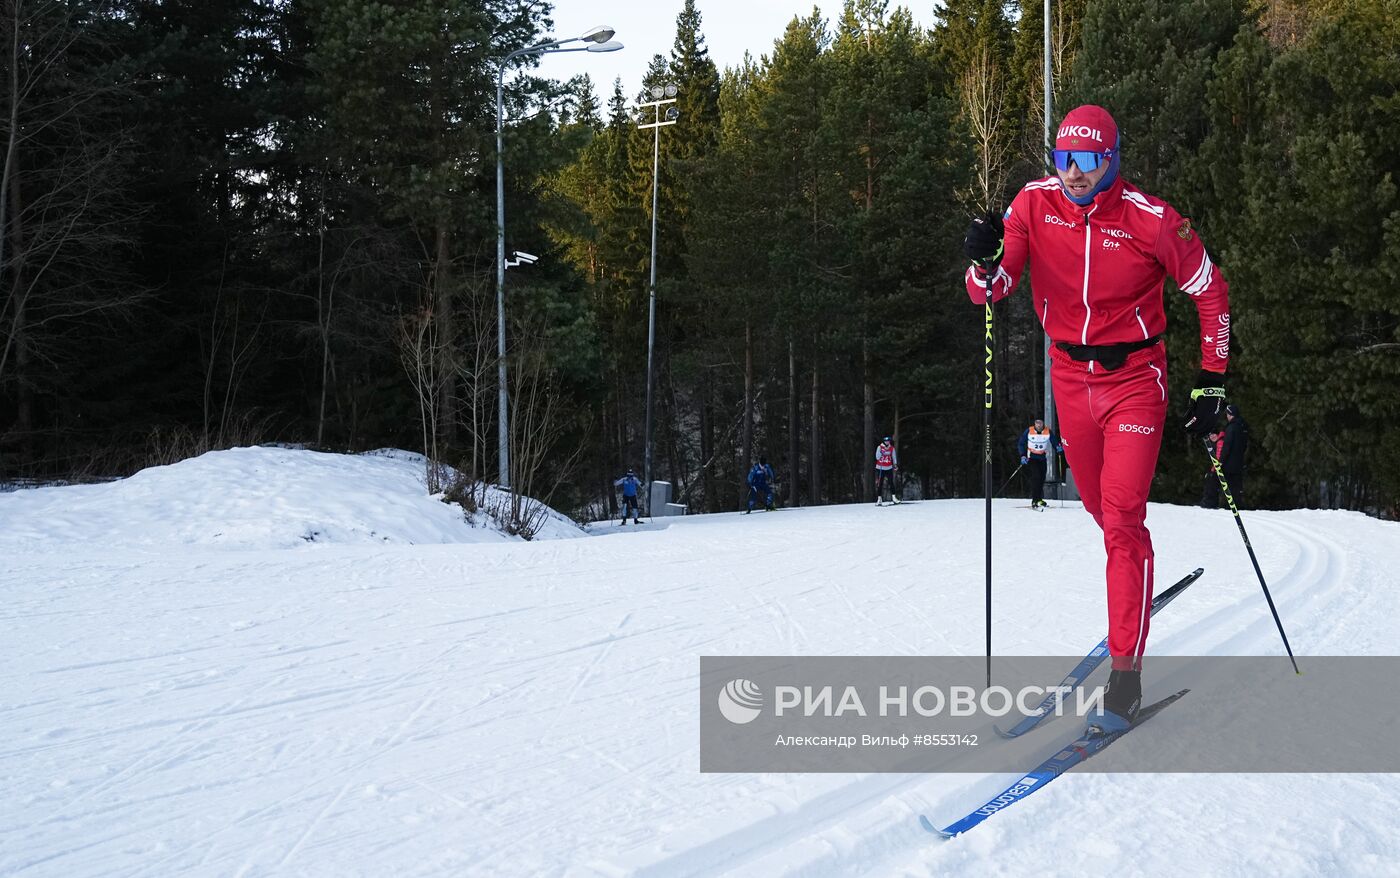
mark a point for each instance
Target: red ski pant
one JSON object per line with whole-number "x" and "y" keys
{"x": 1111, "y": 425}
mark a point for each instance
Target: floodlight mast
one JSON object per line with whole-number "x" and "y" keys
{"x": 662, "y": 96}
{"x": 599, "y": 39}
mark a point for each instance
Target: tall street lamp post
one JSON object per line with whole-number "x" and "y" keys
{"x": 1052, "y": 471}
{"x": 662, "y": 96}
{"x": 600, "y": 39}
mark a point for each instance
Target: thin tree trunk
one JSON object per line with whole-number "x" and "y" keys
{"x": 746, "y": 442}
{"x": 11, "y": 142}
{"x": 794, "y": 443}
{"x": 707, "y": 443}
{"x": 605, "y": 465}
{"x": 680, "y": 483}
{"x": 323, "y": 320}
{"x": 867, "y": 472}
{"x": 443, "y": 312}
{"x": 24, "y": 397}
{"x": 816, "y": 454}
{"x": 620, "y": 442}
{"x": 894, "y": 433}
{"x": 867, "y": 467}
{"x": 18, "y": 341}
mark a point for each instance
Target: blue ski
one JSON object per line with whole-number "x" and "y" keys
{"x": 1091, "y": 661}
{"x": 1072, "y": 754}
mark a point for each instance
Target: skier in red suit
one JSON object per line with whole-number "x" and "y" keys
{"x": 1099, "y": 250}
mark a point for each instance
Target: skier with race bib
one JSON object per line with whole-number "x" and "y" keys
{"x": 629, "y": 484}
{"x": 1035, "y": 445}
{"x": 1100, "y": 249}
{"x": 886, "y": 463}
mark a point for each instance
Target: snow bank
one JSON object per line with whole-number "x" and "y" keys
{"x": 251, "y": 499}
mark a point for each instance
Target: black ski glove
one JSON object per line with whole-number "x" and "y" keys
{"x": 983, "y": 244}
{"x": 1207, "y": 400}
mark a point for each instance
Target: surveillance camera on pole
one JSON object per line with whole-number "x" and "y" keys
{"x": 521, "y": 258}
{"x": 598, "y": 39}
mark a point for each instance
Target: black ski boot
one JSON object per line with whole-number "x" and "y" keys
{"x": 1120, "y": 703}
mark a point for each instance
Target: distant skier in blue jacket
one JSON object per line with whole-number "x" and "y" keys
{"x": 629, "y": 483}
{"x": 761, "y": 484}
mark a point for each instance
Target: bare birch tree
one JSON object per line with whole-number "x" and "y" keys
{"x": 984, "y": 105}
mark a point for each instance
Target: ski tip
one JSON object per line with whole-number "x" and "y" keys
{"x": 927, "y": 824}
{"x": 1005, "y": 734}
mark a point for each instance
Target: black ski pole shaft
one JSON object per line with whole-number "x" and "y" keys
{"x": 987, "y": 464}
{"x": 1009, "y": 478}
{"x": 1225, "y": 487}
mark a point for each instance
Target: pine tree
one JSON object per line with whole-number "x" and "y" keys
{"x": 1312, "y": 250}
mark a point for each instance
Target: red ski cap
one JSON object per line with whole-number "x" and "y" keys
{"x": 1087, "y": 128}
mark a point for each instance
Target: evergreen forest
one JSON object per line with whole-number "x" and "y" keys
{"x": 230, "y": 222}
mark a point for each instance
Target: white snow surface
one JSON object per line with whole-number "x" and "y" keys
{"x": 194, "y": 687}
{"x": 255, "y": 499}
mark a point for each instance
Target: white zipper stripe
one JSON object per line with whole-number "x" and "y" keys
{"x": 1143, "y": 325}
{"x": 1159, "y": 381}
{"x": 1045, "y": 311}
{"x": 1146, "y": 602}
{"x": 1088, "y": 241}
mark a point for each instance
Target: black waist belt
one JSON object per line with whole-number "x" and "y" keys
{"x": 1112, "y": 356}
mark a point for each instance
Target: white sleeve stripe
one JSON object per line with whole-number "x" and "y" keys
{"x": 1198, "y": 284}
{"x": 1142, "y": 203}
{"x": 1196, "y": 278}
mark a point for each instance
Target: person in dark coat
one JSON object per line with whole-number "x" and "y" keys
{"x": 1232, "y": 452}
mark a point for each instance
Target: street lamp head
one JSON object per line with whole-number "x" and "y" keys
{"x": 600, "y": 34}
{"x": 670, "y": 90}
{"x": 656, "y": 92}
{"x": 609, "y": 46}
{"x": 672, "y": 114}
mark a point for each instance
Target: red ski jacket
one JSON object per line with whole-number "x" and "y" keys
{"x": 1099, "y": 269}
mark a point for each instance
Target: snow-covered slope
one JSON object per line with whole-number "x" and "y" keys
{"x": 250, "y": 498}
{"x": 511, "y": 708}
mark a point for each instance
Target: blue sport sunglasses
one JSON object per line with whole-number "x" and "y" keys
{"x": 1086, "y": 160}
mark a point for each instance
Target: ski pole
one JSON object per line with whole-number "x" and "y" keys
{"x": 1225, "y": 487}
{"x": 1010, "y": 477}
{"x": 987, "y": 464}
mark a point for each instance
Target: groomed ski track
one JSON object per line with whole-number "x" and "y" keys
{"x": 530, "y": 708}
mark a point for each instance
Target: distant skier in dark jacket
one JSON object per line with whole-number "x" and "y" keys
{"x": 629, "y": 484}
{"x": 761, "y": 485}
{"x": 1232, "y": 452}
